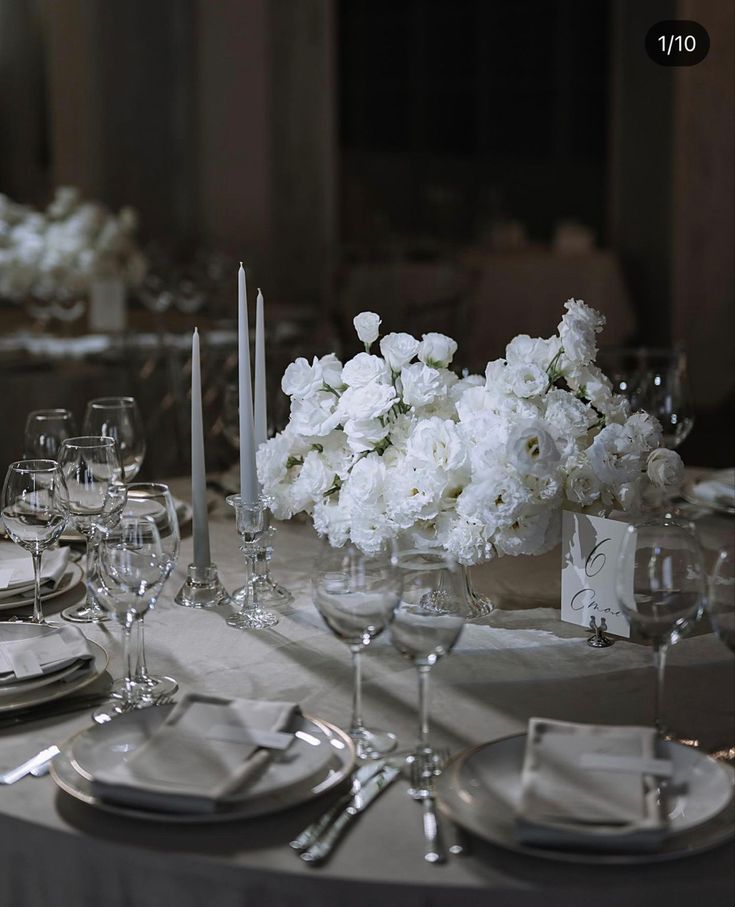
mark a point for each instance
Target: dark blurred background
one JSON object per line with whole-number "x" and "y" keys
{"x": 456, "y": 165}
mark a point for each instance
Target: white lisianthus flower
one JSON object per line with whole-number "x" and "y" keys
{"x": 413, "y": 494}
{"x": 496, "y": 499}
{"x": 398, "y": 350}
{"x": 365, "y": 434}
{"x": 532, "y": 449}
{"x": 437, "y": 444}
{"x": 525, "y": 350}
{"x": 665, "y": 468}
{"x": 582, "y": 485}
{"x": 613, "y": 457}
{"x": 370, "y": 531}
{"x": 437, "y": 350}
{"x": 367, "y": 325}
{"x": 301, "y": 380}
{"x": 363, "y": 369}
{"x": 368, "y": 402}
{"x": 495, "y": 376}
{"x": 591, "y": 383}
{"x": 525, "y": 379}
{"x": 315, "y": 415}
{"x": 578, "y": 330}
{"x": 528, "y": 534}
{"x": 421, "y": 385}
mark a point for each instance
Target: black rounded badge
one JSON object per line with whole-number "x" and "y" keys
{"x": 677, "y": 42}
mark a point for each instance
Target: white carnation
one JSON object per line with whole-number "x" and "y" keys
{"x": 363, "y": 369}
{"x": 368, "y": 402}
{"x": 398, "y": 350}
{"x": 613, "y": 457}
{"x": 315, "y": 415}
{"x": 437, "y": 350}
{"x": 578, "y": 330}
{"x": 300, "y": 379}
{"x": 532, "y": 351}
{"x": 421, "y": 385}
{"x": 365, "y": 434}
{"x": 437, "y": 444}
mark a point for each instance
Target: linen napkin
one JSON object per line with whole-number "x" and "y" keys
{"x": 719, "y": 488}
{"x": 207, "y": 748}
{"x": 18, "y": 571}
{"x": 37, "y": 655}
{"x": 591, "y": 786}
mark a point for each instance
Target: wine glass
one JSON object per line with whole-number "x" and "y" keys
{"x": 721, "y": 610}
{"x": 356, "y": 595}
{"x": 132, "y": 566}
{"x": 155, "y": 501}
{"x": 32, "y": 515}
{"x": 661, "y": 587}
{"x": 89, "y": 466}
{"x": 45, "y": 430}
{"x": 426, "y": 626}
{"x": 118, "y": 418}
{"x": 661, "y": 388}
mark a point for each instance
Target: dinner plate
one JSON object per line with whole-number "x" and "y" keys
{"x": 691, "y": 492}
{"x": 73, "y": 769}
{"x": 73, "y": 681}
{"x": 68, "y": 581}
{"x": 9, "y": 689}
{"x": 480, "y": 790}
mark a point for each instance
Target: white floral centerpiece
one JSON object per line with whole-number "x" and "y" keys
{"x": 481, "y": 466}
{"x": 66, "y": 248}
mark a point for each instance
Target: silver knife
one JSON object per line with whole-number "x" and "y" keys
{"x": 317, "y": 828}
{"x": 321, "y": 850}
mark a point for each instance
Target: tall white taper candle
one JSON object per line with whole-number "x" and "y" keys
{"x": 248, "y": 474}
{"x": 198, "y": 468}
{"x": 261, "y": 391}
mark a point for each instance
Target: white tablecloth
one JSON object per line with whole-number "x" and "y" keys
{"x": 55, "y": 851}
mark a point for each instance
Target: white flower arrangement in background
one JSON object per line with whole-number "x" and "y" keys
{"x": 480, "y": 466}
{"x": 67, "y": 247}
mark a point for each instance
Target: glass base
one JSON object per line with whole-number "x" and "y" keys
{"x": 153, "y": 687}
{"x": 202, "y": 589}
{"x": 479, "y": 605}
{"x": 85, "y": 614}
{"x": 371, "y": 743}
{"x": 253, "y": 619}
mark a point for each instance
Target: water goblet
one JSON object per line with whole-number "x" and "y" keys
{"x": 89, "y": 466}
{"x": 661, "y": 588}
{"x": 721, "y": 610}
{"x": 45, "y": 430}
{"x": 356, "y": 595}
{"x": 155, "y": 501}
{"x": 662, "y": 389}
{"x": 118, "y": 418}
{"x": 426, "y": 626}
{"x": 132, "y": 567}
{"x": 252, "y": 520}
{"x": 32, "y": 515}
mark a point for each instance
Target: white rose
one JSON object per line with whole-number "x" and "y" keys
{"x": 368, "y": 402}
{"x": 421, "y": 384}
{"x": 367, "y": 325}
{"x": 437, "y": 350}
{"x": 665, "y": 468}
{"x": 532, "y": 449}
{"x": 398, "y": 350}
{"x": 363, "y": 369}
{"x": 301, "y": 379}
{"x": 438, "y": 444}
{"x": 613, "y": 457}
{"x": 532, "y": 350}
{"x": 577, "y": 331}
{"x": 365, "y": 434}
{"x": 315, "y": 415}
{"x": 525, "y": 379}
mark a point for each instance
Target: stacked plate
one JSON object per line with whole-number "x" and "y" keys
{"x": 480, "y": 790}
{"x": 20, "y": 594}
{"x": 319, "y": 758}
{"x": 23, "y": 693}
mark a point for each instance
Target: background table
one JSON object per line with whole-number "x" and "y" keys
{"x": 524, "y": 662}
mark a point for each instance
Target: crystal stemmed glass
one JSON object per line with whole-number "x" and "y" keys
{"x": 118, "y": 418}
{"x": 721, "y": 610}
{"x": 89, "y": 465}
{"x": 356, "y": 594}
{"x": 426, "y": 626}
{"x": 45, "y": 430}
{"x": 661, "y": 586}
{"x": 32, "y": 515}
{"x": 661, "y": 388}
{"x": 154, "y": 500}
{"x": 131, "y": 569}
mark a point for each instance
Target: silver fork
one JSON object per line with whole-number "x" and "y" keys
{"x": 422, "y": 785}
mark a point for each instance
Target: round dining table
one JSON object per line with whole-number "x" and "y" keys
{"x": 519, "y": 662}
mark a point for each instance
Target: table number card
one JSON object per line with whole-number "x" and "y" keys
{"x": 590, "y": 547}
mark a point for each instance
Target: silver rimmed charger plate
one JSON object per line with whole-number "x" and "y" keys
{"x": 73, "y": 681}
{"x": 480, "y": 791}
{"x": 73, "y": 768}
{"x": 69, "y": 580}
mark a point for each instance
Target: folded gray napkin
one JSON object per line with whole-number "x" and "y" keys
{"x": 18, "y": 571}
{"x": 45, "y": 653}
{"x": 207, "y": 748}
{"x": 591, "y": 787}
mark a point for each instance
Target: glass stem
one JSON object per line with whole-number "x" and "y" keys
{"x": 37, "y": 609}
{"x": 128, "y": 659}
{"x": 357, "y": 726}
{"x": 423, "y": 677}
{"x": 659, "y": 664}
{"x": 141, "y": 667}
{"x": 91, "y": 561}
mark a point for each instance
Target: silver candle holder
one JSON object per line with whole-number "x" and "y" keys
{"x": 202, "y": 588}
{"x": 252, "y": 521}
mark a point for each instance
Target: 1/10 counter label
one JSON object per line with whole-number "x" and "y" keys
{"x": 677, "y": 42}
